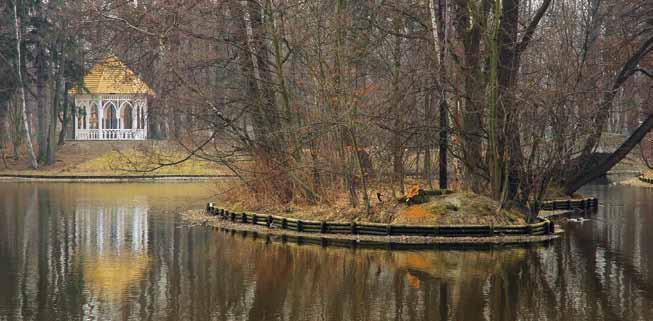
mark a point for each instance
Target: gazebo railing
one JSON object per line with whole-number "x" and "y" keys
{"x": 110, "y": 134}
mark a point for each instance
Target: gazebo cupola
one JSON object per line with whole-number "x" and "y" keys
{"x": 111, "y": 104}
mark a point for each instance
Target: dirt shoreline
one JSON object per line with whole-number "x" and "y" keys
{"x": 199, "y": 217}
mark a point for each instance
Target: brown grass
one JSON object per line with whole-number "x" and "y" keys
{"x": 455, "y": 208}
{"x": 125, "y": 158}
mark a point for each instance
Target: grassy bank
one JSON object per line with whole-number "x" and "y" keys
{"x": 101, "y": 158}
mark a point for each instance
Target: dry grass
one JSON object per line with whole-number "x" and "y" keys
{"x": 118, "y": 159}
{"x": 635, "y": 182}
{"x": 455, "y": 208}
{"x": 647, "y": 173}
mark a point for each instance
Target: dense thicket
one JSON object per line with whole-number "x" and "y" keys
{"x": 300, "y": 98}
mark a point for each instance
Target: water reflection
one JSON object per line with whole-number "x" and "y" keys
{"x": 77, "y": 251}
{"x": 112, "y": 248}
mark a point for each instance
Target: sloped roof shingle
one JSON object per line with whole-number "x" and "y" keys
{"x": 112, "y": 76}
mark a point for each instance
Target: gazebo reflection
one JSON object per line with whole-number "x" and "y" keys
{"x": 112, "y": 243}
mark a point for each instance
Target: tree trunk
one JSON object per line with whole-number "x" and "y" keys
{"x": 442, "y": 74}
{"x": 64, "y": 120}
{"x": 4, "y": 131}
{"x": 429, "y": 134}
{"x": 599, "y": 120}
{"x": 398, "y": 112}
{"x": 444, "y": 143}
{"x": 52, "y": 133}
{"x": 42, "y": 110}
{"x": 603, "y": 166}
{"x": 468, "y": 30}
{"x": 16, "y": 125}
{"x": 21, "y": 85}
{"x": 271, "y": 142}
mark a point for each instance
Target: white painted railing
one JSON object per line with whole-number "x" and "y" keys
{"x": 110, "y": 134}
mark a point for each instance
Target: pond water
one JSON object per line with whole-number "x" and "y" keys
{"x": 119, "y": 252}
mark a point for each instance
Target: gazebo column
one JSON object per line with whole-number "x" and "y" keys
{"x": 100, "y": 118}
{"x": 134, "y": 106}
{"x": 145, "y": 118}
{"x": 134, "y": 114}
{"x": 87, "y": 115}
{"x": 75, "y": 117}
{"x": 119, "y": 124}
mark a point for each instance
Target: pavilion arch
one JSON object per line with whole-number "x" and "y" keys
{"x": 83, "y": 115}
{"x": 93, "y": 119}
{"x": 127, "y": 115}
{"x": 140, "y": 116}
{"x": 110, "y": 116}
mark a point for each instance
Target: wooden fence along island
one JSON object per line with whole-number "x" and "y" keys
{"x": 378, "y": 233}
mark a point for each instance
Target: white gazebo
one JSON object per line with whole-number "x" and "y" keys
{"x": 111, "y": 104}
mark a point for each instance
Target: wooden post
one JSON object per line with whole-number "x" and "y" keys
{"x": 269, "y": 221}
{"x": 300, "y": 225}
{"x": 284, "y": 223}
{"x": 353, "y": 227}
{"x": 254, "y": 219}
{"x": 244, "y": 217}
{"x": 322, "y": 227}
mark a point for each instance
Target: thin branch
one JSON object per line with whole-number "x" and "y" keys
{"x": 127, "y": 23}
{"x": 645, "y": 72}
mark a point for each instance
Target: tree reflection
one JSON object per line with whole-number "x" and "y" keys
{"x": 96, "y": 252}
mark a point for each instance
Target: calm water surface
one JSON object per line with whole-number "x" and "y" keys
{"x": 119, "y": 252}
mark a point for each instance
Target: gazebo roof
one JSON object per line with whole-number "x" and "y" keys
{"x": 112, "y": 76}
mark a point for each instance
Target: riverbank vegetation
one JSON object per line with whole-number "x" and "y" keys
{"x": 328, "y": 100}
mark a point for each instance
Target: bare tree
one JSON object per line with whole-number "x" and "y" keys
{"x": 21, "y": 86}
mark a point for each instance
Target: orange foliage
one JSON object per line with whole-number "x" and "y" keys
{"x": 413, "y": 281}
{"x": 416, "y": 261}
{"x": 416, "y": 212}
{"x": 413, "y": 191}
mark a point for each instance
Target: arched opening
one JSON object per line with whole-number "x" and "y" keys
{"x": 140, "y": 117}
{"x": 93, "y": 120}
{"x": 110, "y": 116}
{"x": 81, "y": 117}
{"x": 127, "y": 116}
